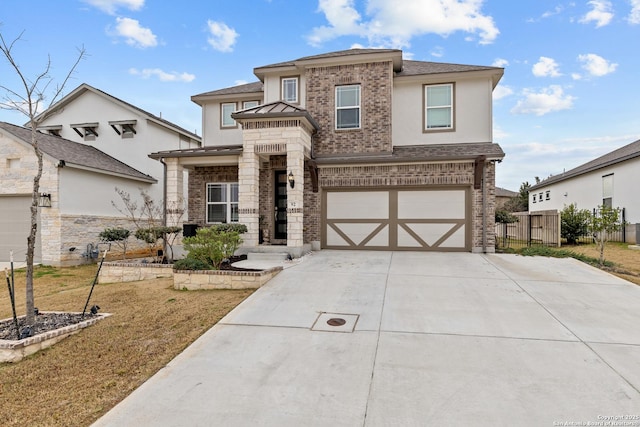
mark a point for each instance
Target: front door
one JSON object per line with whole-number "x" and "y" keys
{"x": 280, "y": 232}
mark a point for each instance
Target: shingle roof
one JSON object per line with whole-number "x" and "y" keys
{"x": 414, "y": 68}
{"x": 73, "y": 153}
{"x": 85, "y": 87}
{"x": 234, "y": 90}
{"x": 418, "y": 153}
{"x": 503, "y": 192}
{"x": 622, "y": 154}
{"x": 336, "y": 54}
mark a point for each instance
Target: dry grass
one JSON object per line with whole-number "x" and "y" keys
{"x": 627, "y": 261}
{"x": 77, "y": 380}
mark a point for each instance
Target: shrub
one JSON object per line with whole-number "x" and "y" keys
{"x": 504, "y": 217}
{"x": 212, "y": 246}
{"x": 190, "y": 264}
{"x": 118, "y": 236}
{"x": 574, "y": 223}
{"x": 235, "y": 227}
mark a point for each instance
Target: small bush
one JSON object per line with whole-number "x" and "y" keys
{"x": 212, "y": 246}
{"x": 574, "y": 223}
{"x": 233, "y": 227}
{"x": 190, "y": 264}
{"x": 504, "y": 217}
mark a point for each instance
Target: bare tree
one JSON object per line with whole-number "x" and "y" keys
{"x": 28, "y": 98}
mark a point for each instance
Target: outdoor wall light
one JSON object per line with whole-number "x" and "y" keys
{"x": 292, "y": 182}
{"x": 45, "y": 200}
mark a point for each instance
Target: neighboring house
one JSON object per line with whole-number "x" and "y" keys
{"x": 103, "y": 143}
{"x": 503, "y": 196}
{"x": 76, "y": 189}
{"x": 610, "y": 180}
{"x": 356, "y": 149}
{"x": 90, "y": 116}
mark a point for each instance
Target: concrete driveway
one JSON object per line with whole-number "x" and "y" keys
{"x": 429, "y": 339}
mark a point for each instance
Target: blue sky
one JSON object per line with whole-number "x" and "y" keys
{"x": 569, "y": 94}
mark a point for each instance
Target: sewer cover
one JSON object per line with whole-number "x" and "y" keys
{"x": 335, "y": 322}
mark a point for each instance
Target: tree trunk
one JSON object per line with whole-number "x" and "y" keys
{"x": 31, "y": 240}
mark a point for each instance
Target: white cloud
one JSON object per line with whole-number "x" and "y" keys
{"x": 393, "y": 24}
{"x": 601, "y": 13}
{"x": 546, "y": 101}
{"x": 111, "y": 6}
{"x": 546, "y": 67}
{"x": 596, "y": 65}
{"x": 502, "y": 91}
{"x": 134, "y": 34}
{"x": 634, "y": 15}
{"x": 222, "y": 38}
{"x": 499, "y": 62}
{"x": 240, "y": 82}
{"x": 163, "y": 76}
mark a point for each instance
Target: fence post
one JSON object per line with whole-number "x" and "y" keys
{"x": 624, "y": 227}
{"x": 529, "y": 230}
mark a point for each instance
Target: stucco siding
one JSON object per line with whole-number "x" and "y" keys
{"x": 472, "y": 113}
{"x": 586, "y": 190}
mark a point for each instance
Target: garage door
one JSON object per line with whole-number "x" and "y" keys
{"x": 436, "y": 219}
{"x": 15, "y": 219}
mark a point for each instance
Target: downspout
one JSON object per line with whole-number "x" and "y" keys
{"x": 164, "y": 206}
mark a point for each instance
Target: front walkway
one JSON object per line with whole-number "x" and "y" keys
{"x": 438, "y": 339}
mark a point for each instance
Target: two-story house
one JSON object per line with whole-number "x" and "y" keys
{"x": 92, "y": 142}
{"x": 356, "y": 149}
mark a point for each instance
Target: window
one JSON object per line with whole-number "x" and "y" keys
{"x": 226, "y": 109}
{"x": 534, "y": 198}
{"x": 222, "y": 203}
{"x": 250, "y": 104}
{"x": 438, "y": 107}
{"x": 540, "y": 197}
{"x": 548, "y": 195}
{"x": 290, "y": 89}
{"x": 607, "y": 190}
{"x": 348, "y": 107}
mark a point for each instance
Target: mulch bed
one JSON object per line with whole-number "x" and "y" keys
{"x": 44, "y": 322}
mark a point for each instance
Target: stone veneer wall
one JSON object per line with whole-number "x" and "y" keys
{"x": 374, "y": 135}
{"x": 415, "y": 174}
{"x": 198, "y": 179}
{"x": 77, "y": 231}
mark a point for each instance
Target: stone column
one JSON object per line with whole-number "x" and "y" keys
{"x": 295, "y": 200}
{"x": 248, "y": 197}
{"x": 175, "y": 202}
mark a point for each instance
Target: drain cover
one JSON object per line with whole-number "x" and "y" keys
{"x": 336, "y": 321}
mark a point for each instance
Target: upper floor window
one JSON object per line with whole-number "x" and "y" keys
{"x": 222, "y": 202}
{"x": 290, "y": 89}
{"x": 226, "y": 108}
{"x": 250, "y": 104}
{"x": 547, "y": 195}
{"x": 438, "y": 101}
{"x": 348, "y": 107}
{"x": 607, "y": 190}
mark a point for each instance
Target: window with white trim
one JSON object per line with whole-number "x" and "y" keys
{"x": 226, "y": 108}
{"x": 547, "y": 195}
{"x": 290, "y": 89}
{"x": 250, "y": 104}
{"x": 438, "y": 102}
{"x": 348, "y": 107}
{"x": 607, "y": 190}
{"x": 222, "y": 202}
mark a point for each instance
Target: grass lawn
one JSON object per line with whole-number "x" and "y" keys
{"x": 627, "y": 261}
{"x": 80, "y": 378}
